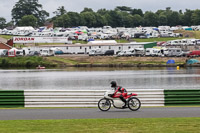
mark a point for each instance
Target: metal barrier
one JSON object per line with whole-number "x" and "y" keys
{"x": 90, "y": 98}
{"x": 11, "y": 98}
{"x": 84, "y": 98}
{"x": 182, "y": 97}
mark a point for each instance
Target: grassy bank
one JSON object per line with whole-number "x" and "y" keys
{"x": 24, "y": 62}
{"x": 102, "y": 60}
{"x": 86, "y": 61}
{"x": 130, "y": 125}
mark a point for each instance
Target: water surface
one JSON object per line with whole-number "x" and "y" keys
{"x": 99, "y": 78}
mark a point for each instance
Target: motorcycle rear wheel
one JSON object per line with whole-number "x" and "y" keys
{"x": 134, "y": 104}
{"x": 104, "y": 104}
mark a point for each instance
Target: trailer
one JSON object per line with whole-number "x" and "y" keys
{"x": 47, "y": 52}
{"x": 177, "y": 52}
{"x": 100, "y": 52}
{"x": 3, "y": 52}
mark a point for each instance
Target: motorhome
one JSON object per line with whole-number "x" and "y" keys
{"x": 47, "y": 52}
{"x": 132, "y": 52}
{"x": 15, "y": 52}
{"x": 125, "y": 53}
{"x": 139, "y": 51}
{"x": 152, "y": 52}
{"x": 95, "y": 52}
{"x": 174, "y": 52}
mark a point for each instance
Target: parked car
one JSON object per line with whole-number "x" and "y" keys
{"x": 124, "y": 53}
{"x": 194, "y": 53}
{"x": 96, "y": 52}
{"x": 109, "y": 52}
{"x": 33, "y": 53}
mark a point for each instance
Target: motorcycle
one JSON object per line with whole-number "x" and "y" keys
{"x": 133, "y": 103}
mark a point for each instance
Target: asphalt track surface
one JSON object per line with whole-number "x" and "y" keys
{"x": 92, "y": 113}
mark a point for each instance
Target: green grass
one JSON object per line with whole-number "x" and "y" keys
{"x": 25, "y": 62}
{"x": 62, "y": 60}
{"x": 157, "y": 39}
{"x": 129, "y": 125}
{"x": 6, "y": 36}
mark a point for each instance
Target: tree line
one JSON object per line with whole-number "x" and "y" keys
{"x": 30, "y": 13}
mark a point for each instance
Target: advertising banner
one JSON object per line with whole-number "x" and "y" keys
{"x": 40, "y": 39}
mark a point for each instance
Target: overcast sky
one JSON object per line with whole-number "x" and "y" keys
{"x": 78, "y": 5}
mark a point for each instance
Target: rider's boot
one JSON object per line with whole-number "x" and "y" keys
{"x": 124, "y": 100}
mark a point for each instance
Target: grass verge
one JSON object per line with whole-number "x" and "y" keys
{"x": 125, "y": 125}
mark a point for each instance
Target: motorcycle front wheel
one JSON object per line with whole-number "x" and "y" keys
{"x": 134, "y": 104}
{"x": 104, "y": 104}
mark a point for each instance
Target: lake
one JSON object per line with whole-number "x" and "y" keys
{"x": 99, "y": 78}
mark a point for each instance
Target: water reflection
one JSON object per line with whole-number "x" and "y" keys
{"x": 99, "y": 78}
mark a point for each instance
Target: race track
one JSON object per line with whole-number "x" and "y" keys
{"x": 90, "y": 113}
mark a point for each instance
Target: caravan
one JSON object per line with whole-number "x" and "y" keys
{"x": 16, "y": 52}
{"x": 130, "y": 52}
{"x": 139, "y": 51}
{"x": 152, "y": 52}
{"x": 174, "y": 52}
{"x": 47, "y": 52}
{"x": 3, "y": 52}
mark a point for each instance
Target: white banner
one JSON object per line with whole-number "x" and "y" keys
{"x": 40, "y": 40}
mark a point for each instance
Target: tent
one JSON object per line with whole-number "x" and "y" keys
{"x": 192, "y": 61}
{"x": 170, "y": 62}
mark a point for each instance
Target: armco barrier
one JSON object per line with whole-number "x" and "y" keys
{"x": 182, "y": 97}
{"x": 89, "y": 98}
{"x": 11, "y": 98}
{"x": 84, "y": 98}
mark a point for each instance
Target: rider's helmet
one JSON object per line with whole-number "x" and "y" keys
{"x": 113, "y": 84}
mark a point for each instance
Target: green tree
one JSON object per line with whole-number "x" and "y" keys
{"x": 137, "y": 11}
{"x": 196, "y": 17}
{"x": 29, "y": 7}
{"x": 162, "y": 19}
{"x": 102, "y": 11}
{"x": 116, "y": 18}
{"x": 28, "y": 20}
{"x": 75, "y": 19}
{"x": 62, "y": 21}
{"x": 124, "y": 8}
{"x": 60, "y": 11}
{"x": 126, "y": 19}
{"x": 187, "y": 17}
{"x": 137, "y": 20}
{"x": 89, "y": 18}
{"x": 2, "y": 22}
{"x": 87, "y": 10}
{"x": 173, "y": 18}
{"x": 150, "y": 19}
{"x": 100, "y": 20}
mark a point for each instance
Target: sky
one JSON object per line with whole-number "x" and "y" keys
{"x": 78, "y": 5}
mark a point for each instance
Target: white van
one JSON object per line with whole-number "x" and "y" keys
{"x": 152, "y": 52}
{"x": 47, "y": 52}
{"x": 130, "y": 52}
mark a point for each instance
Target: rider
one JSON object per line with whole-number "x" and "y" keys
{"x": 119, "y": 89}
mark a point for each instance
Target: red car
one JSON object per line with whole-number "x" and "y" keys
{"x": 194, "y": 53}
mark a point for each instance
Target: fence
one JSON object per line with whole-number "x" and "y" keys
{"x": 90, "y": 98}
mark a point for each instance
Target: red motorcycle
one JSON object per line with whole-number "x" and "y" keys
{"x": 133, "y": 103}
